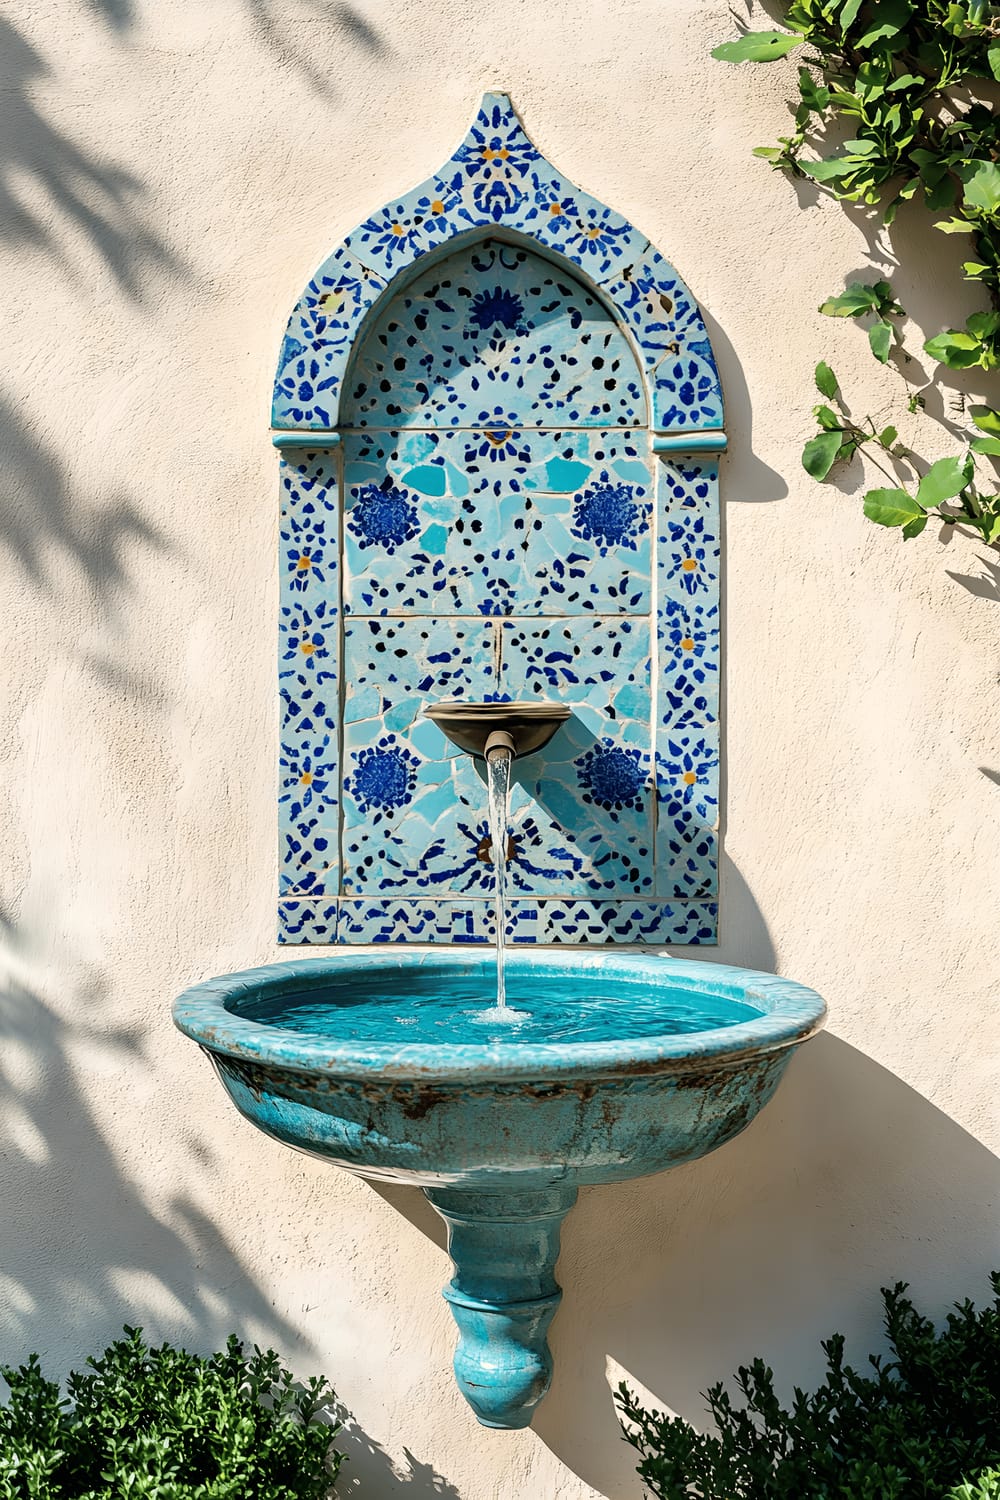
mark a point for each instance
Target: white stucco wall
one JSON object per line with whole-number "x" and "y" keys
{"x": 170, "y": 175}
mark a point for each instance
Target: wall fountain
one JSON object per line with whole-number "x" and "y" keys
{"x": 499, "y": 420}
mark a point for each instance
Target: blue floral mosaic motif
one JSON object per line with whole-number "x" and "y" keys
{"x": 383, "y": 777}
{"x": 498, "y": 307}
{"x": 307, "y": 776}
{"x": 382, "y": 516}
{"x": 302, "y": 386}
{"x": 689, "y": 532}
{"x": 608, "y": 515}
{"x": 612, "y": 777}
{"x": 488, "y": 528}
{"x": 307, "y": 643}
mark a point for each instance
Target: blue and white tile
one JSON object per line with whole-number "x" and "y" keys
{"x": 414, "y": 805}
{"x": 382, "y": 920}
{"x": 498, "y": 177}
{"x": 308, "y": 671}
{"x": 687, "y": 859}
{"x": 688, "y": 558}
{"x": 553, "y": 922}
{"x": 318, "y": 342}
{"x": 581, "y": 809}
{"x": 566, "y": 219}
{"x": 600, "y": 668}
{"x": 689, "y": 661}
{"x": 603, "y": 922}
{"x": 686, "y": 393}
{"x": 687, "y": 790}
{"x": 497, "y": 521}
{"x": 307, "y": 921}
{"x": 484, "y": 339}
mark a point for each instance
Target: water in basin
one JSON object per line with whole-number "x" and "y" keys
{"x": 424, "y": 1005}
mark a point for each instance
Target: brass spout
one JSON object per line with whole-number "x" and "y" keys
{"x": 500, "y": 742}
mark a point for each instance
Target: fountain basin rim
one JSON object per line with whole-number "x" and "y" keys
{"x": 791, "y": 1014}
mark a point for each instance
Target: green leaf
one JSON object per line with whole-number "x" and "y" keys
{"x": 889, "y": 16}
{"x": 990, "y": 445}
{"x": 892, "y": 508}
{"x": 983, "y": 324}
{"x": 888, "y": 436}
{"x": 986, "y": 419}
{"x": 828, "y": 419}
{"x": 757, "y": 46}
{"x": 939, "y": 192}
{"x": 880, "y": 339}
{"x": 882, "y": 292}
{"x": 820, "y": 454}
{"x": 993, "y": 57}
{"x": 849, "y": 13}
{"x": 982, "y": 185}
{"x": 959, "y": 351}
{"x": 914, "y": 528}
{"x": 850, "y": 304}
{"x": 815, "y": 96}
{"x": 826, "y": 380}
{"x": 944, "y": 480}
{"x": 955, "y": 226}
{"x": 826, "y": 170}
{"x": 769, "y": 153}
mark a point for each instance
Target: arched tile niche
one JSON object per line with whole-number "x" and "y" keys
{"x": 499, "y": 421}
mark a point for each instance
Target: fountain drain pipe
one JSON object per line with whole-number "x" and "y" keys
{"x": 500, "y": 743}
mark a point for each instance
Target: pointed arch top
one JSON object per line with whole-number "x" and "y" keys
{"x": 497, "y": 180}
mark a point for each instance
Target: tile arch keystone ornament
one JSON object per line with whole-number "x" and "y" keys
{"x": 500, "y": 425}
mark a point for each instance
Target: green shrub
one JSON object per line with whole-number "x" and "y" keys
{"x": 162, "y": 1424}
{"x": 925, "y": 1423}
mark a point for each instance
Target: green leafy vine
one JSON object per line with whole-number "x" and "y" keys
{"x": 912, "y": 83}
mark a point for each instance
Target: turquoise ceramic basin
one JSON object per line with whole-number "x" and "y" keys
{"x": 382, "y": 1064}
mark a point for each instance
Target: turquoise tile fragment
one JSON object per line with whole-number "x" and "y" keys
{"x": 434, "y": 540}
{"x": 428, "y": 479}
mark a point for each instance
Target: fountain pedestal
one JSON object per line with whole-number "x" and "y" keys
{"x": 503, "y": 1294}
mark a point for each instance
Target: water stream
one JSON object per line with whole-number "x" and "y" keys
{"x": 498, "y": 764}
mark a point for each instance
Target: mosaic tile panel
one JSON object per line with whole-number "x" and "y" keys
{"x": 305, "y": 921}
{"x": 477, "y": 334}
{"x": 490, "y": 524}
{"x": 497, "y": 182}
{"x": 497, "y": 521}
{"x": 317, "y": 343}
{"x": 414, "y": 805}
{"x": 308, "y": 675}
{"x": 414, "y": 813}
{"x": 687, "y": 730}
{"x": 544, "y": 922}
{"x": 581, "y": 812}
